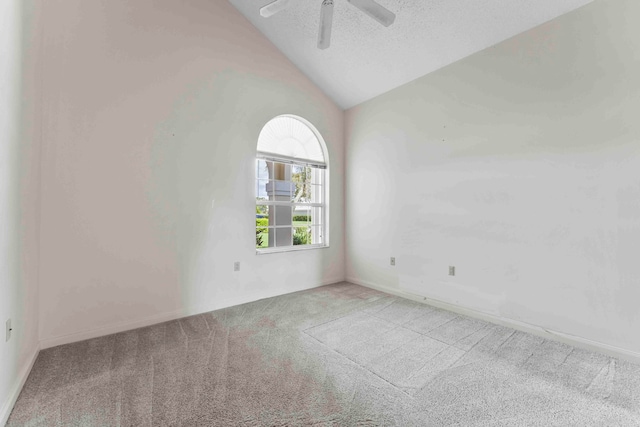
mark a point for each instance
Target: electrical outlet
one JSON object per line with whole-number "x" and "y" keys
{"x": 9, "y": 329}
{"x": 236, "y": 266}
{"x": 393, "y": 260}
{"x": 452, "y": 270}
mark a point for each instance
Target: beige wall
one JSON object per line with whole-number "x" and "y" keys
{"x": 520, "y": 165}
{"x": 152, "y": 110}
{"x": 19, "y": 194}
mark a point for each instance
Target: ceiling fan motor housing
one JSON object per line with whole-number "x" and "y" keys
{"x": 370, "y": 7}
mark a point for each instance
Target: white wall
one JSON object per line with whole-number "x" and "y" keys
{"x": 152, "y": 110}
{"x": 520, "y": 165}
{"x": 19, "y": 183}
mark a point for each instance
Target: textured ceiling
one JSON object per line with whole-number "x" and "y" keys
{"x": 366, "y": 59}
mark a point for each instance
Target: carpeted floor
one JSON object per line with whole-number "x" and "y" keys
{"x": 339, "y": 355}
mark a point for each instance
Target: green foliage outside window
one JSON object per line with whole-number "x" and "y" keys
{"x": 302, "y": 236}
{"x": 262, "y": 232}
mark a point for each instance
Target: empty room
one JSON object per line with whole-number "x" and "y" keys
{"x": 319, "y": 213}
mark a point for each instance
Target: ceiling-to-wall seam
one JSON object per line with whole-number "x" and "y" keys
{"x": 344, "y": 191}
{"x": 40, "y": 111}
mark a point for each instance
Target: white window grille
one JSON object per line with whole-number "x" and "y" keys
{"x": 291, "y": 187}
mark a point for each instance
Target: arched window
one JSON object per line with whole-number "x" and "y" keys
{"x": 291, "y": 186}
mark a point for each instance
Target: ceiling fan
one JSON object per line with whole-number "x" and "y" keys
{"x": 369, "y": 7}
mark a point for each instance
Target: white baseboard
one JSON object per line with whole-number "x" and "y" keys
{"x": 165, "y": 317}
{"x": 257, "y": 296}
{"x": 7, "y": 406}
{"x": 569, "y": 339}
{"x": 108, "y": 330}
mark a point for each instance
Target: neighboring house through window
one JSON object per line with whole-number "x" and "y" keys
{"x": 291, "y": 186}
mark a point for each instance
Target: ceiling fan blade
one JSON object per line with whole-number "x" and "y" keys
{"x": 375, "y": 10}
{"x": 326, "y": 21}
{"x": 273, "y": 8}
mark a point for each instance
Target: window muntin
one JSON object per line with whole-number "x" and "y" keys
{"x": 290, "y": 205}
{"x": 291, "y": 186}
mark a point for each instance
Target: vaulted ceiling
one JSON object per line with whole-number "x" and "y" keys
{"x": 366, "y": 59}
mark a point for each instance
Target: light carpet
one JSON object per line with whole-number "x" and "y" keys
{"x": 340, "y": 355}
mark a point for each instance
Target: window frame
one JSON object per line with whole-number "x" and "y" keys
{"x": 324, "y": 205}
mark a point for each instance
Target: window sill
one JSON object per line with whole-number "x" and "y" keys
{"x": 289, "y": 249}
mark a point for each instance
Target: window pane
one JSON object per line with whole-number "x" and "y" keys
{"x": 262, "y": 171}
{"x": 301, "y": 216}
{"x": 281, "y": 191}
{"x": 283, "y": 236}
{"x": 317, "y": 216}
{"x": 279, "y": 171}
{"x": 302, "y": 170}
{"x": 317, "y": 193}
{"x": 289, "y": 188}
{"x": 262, "y": 237}
{"x": 292, "y": 221}
{"x": 316, "y": 235}
{"x": 302, "y": 236}
{"x": 262, "y": 215}
{"x": 301, "y": 178}
{"x": 262, "y": 224}
{"x": 283, "y": 215}
{"x": 262, "y": 187}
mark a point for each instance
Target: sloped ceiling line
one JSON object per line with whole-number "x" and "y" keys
{"x": 366, "y": 59}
